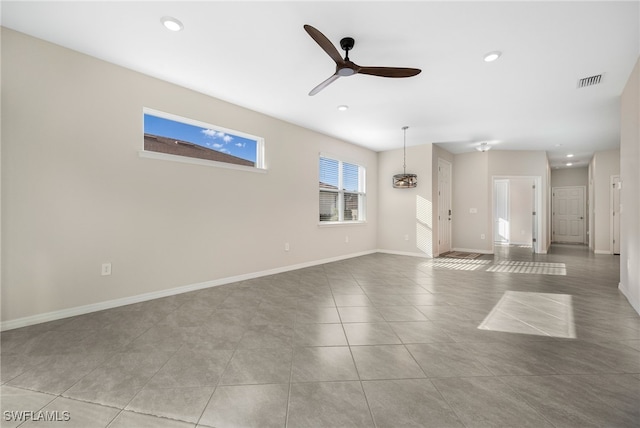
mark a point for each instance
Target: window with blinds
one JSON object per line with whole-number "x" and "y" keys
{"x": 342, "y": 191}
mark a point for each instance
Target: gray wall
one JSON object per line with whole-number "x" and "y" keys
{"x": 405, "y": 223}
{"x": 603, "y": 166}
{"x": 76, "y": 194}
{"x": 630, "y": 192}
{"x": 473, "y": 188}
{"x": 524, "y": 163}
{"x": 564, "y": 177}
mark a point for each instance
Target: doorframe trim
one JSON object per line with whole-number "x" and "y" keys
{"x": 585, "y": 238}
{"x": 450, "y": 204}
{"x": 537, "y": 179}
{"x": 493, "y": 216}
{"x": 611, "y": 211}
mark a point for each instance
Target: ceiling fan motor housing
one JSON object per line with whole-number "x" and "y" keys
{"x": 347, "y": 44}
{"x": 347, "y": 68}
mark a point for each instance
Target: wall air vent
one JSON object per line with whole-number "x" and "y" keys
{"x": 589, "y": 81}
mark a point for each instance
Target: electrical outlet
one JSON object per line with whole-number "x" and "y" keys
{"x": 406, "y": 237}
{"x": 106, "y": 269}
{"x": 286, "y": 246}
{"x": 482, "y": 236}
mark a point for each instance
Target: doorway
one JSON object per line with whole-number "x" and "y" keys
{"x": 515, "y": 211}
{"x": 501, "y": 224}
{"x": 444, "y": 206}
{"x": 568, "y": 212}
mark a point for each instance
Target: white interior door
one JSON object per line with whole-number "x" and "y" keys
{"x": 615, "y": 213}
{"x": 568, "y": 214}
{"x": 444, "y": 206}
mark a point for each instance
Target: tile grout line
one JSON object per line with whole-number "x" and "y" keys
{"x": 286, "y": 416}
{"x": 353, "y": 360}
{"x": 226, "y": 367}
{"x": 145, "y": 384}
{"x": 448, "y": 403}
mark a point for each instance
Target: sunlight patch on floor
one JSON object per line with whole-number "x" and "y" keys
{"x": 529, "y": 267}
{"x": 541, "y": 314}
{"x": 459, "y": 264}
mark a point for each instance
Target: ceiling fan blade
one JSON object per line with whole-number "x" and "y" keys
{"x": 324, "y": 84}
{"x": 324, "y": 43}
{"x": 389, "y": 71}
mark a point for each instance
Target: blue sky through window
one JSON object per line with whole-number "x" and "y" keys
{"x": 210, "y": 138}
{"x": 350, "y": 177}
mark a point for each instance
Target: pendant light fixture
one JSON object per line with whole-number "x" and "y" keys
{"x": 404, "y": 180}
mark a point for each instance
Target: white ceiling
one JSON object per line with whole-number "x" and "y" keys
{"x": 257, "y": 55}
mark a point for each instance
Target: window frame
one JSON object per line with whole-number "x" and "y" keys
{"x": 260, "y": 164}
{"x": 340, "y": 191}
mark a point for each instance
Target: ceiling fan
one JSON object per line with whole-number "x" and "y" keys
{"x": 345, "y": 67}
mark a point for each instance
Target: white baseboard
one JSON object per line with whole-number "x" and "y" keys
{"x": 602, "y": 252}
{"x": 405, "y": 253}
{"x": 472, "y": 250}
{"x": 109, "y": 304}
{"x": 624, "y": 290}
{"x": 527, "y": 243}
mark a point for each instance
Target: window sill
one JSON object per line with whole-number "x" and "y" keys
{"x": 196, "y": 161}
{"x": 341, "y": 223}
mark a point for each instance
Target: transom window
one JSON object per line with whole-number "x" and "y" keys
{"x": 172, "y": 135}
{"x": 342, "y": 191}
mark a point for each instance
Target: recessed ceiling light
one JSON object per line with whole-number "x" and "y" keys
{"x": 492, "y": 56}
{"x": 343, "y": 108}
{"x": 570, "y": 155}
{"x": 171, "y": 23}
{"x": 568, "y": 164}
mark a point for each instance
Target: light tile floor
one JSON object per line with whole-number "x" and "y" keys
{"x": 380, "y": 340}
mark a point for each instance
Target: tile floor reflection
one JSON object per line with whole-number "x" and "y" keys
{"x": 380, "y": 340}
{"x": 546, "y": 314}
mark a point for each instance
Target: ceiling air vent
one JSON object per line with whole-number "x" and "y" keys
{"x": 589, "y": 81}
